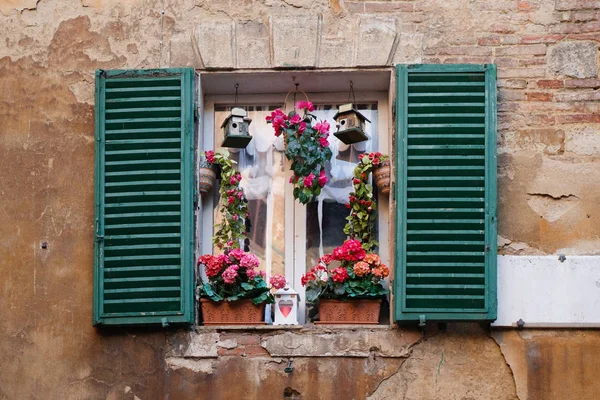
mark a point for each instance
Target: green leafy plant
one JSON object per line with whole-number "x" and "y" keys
{"x": 362, "y": 204}
{"x": 357, "y": 274}
{"x": 234, "y": 206}
{"x": 306, "y": 146}
{"x": 233, "y": 275}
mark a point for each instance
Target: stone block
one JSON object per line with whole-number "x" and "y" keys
{"x": 252, "y": 45}
{"x": 359, "y": 343}
{"x": 409, "y": 49}
{"x": 214, "y": 39}
{"x": 568, "y": 5}
{"x": 182, "y": 52}
{"x": 336, "y": 52}
{"x": 295, "y": 40}
{"x": 377, "y": 38}
{"x": 583, "y": 141}
{"x": 194, "y": 345}
{"x": 575, "y": 59}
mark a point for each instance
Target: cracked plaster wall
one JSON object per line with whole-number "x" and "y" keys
{"x": 549, "y": 184}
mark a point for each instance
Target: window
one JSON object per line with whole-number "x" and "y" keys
{"x": 289, "y": 237}
{"x": 444, "y": 241}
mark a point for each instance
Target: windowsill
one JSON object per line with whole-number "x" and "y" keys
{"x": 303, "y": 328}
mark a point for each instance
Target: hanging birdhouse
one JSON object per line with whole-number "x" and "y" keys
{"x": 236, "y": 129}
{"x": 286, "y": 306}
{"x": 350, "y": 124}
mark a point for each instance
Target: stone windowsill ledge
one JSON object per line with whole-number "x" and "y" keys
{"x": 306, "y": 328}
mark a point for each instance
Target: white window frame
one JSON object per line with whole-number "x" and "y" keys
{"x": 295, "y": 255}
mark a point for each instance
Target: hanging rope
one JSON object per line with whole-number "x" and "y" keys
{"x": 351, "y": 93}
{"x": 235, "y": 101}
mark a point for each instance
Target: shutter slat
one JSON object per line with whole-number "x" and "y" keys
{"x": 144, "y": 204}
{"x": 446, "y": 145}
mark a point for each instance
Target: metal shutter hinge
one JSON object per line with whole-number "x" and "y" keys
{"x": 99, "y": 238}
{"x": 164, "y": 322}
{"x": 422, "y": 321}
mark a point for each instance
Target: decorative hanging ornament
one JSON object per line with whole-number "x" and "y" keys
{"x": 236, "y": 126}
{"x": 349, "y": 122}
{"x": 286, "y": 306}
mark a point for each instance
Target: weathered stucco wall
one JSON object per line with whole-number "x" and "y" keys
{"x": 549, "y": 189}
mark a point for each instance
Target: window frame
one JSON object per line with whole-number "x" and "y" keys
{"x": 297, "y": 235}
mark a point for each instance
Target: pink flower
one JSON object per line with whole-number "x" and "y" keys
{"x": 237, "y": 254}
{"x": 249, "y": 260}
{"x": 278, "y": 125}
{"x": 277, "y": 281}
{"x": 230, "y": 199}
{"x": 323, "y": 142}
{"x": 305, "y": 105}
{"x": 251, "y": 273}
{"x": 322, "y": 179}
{"x": 301, "y": 128}
{"x": 240, "y": 194}
{"x": 322, "y": 127}
{"x": 230, "y": 274}
{"x": 232, "y": 180}
{"x": 210, "y": 156}
{"x": 296, "y": 119}
{"x": 276, "y": 114}
{"x": 308, "y": 181}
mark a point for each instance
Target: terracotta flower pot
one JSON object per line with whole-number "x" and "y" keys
{"x": 382, "y": 176}
{"x": 240, "y": 312}
{"x": 206, "y": 179}
{"x": 354, "y": 311}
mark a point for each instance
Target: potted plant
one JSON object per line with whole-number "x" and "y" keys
{"x": 206, "y": 173}
{"x": 362, "y": 204}
{"x": 347, "y": 285}
{"x": 306, "y": 145}
{"x": 234, "y": 206}
{"x": 235, "y": 292}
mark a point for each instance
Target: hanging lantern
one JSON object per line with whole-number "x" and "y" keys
{"x": 236, "y": 127}
{"x": 349, "y": 122}
{"x": 286, "y": 306}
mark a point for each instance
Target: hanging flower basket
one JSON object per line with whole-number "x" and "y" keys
{"x": 382, "y": 173}
{"x": 353, "y": 311}
{"x": 206, "y": 179}
{"x": 306, "y": 146}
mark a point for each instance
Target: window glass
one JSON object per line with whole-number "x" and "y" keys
{"x": 326, "y": 218}
{"x": 263, "y": 168}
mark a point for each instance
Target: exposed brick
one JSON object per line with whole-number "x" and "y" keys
{"x": 550, "y": 84}
{"x": 582, "y": 83}
{"x": 527, "y": 6}
{"x": 578, "y": 119}
{"x": 532, "y": 61}
{"x": 512, "y": 83}
{"x": 495, "y": 40}
{"x": 510, "y": 95}
{"x": 534, "y": 39}
{"x": 238, "y": 351}
{"x": 566, "y": 5}
{"x": 539, "y": 96}
{"x": 354, "y": 7}
{"x": 460, "y": 51}
{"x": 586, "y": 95}
{"x": 255, "y": 350}
{"x": 388, "y": 7}
{"x": 248, "y": 339}
{"x": 507, "y": 62}
{"x": 502, "y": 28}
{"x": 536, "y": 49}
{"x": 570, "y": 28}
{"x": 522, "y": 73}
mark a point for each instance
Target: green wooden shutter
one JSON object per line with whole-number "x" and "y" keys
{"x": 446, "y": 193}
{"x": 143, "y": 269}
